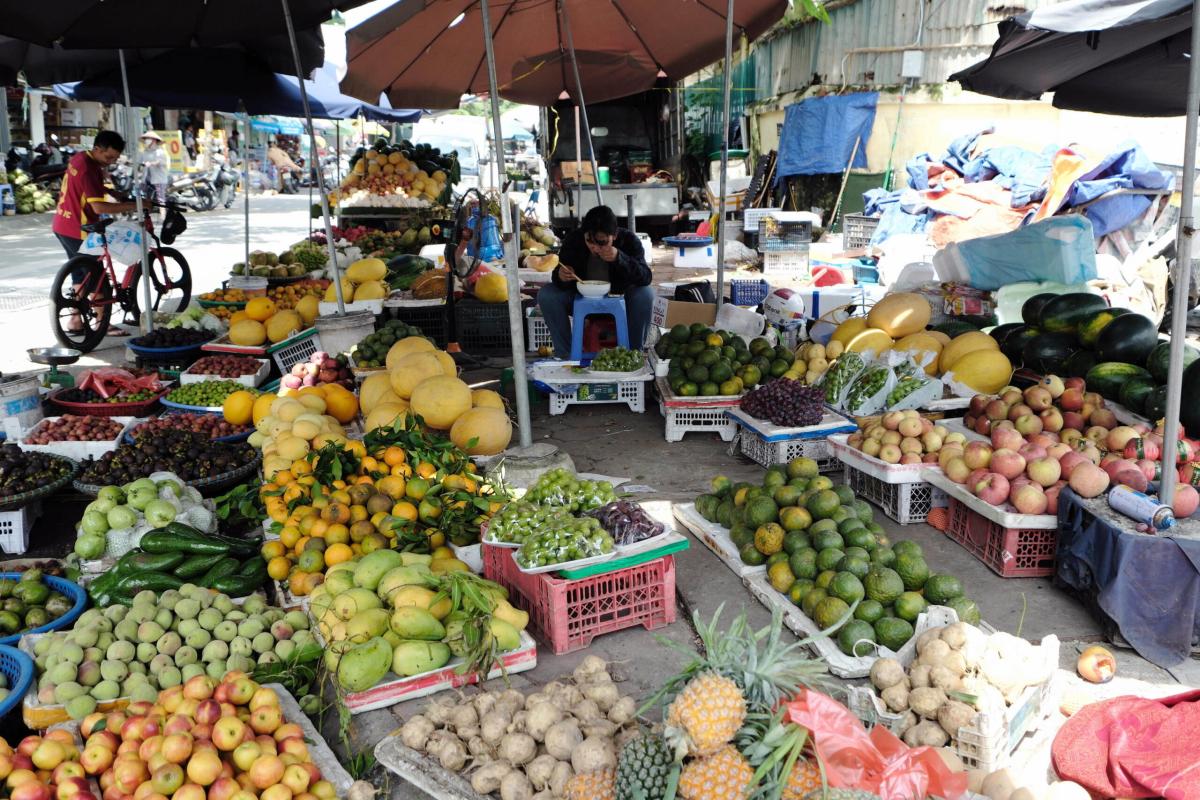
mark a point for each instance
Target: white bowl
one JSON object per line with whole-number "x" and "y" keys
{"x": 593, "y": 288}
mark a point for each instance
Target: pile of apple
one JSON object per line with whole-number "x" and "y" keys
{"x": 904, "y": 437}
{"x": 1054, "y": 434}
{"x": 320, "y": 368}
{"x": 45, "y": 768}
{"x": 203, "y": 740}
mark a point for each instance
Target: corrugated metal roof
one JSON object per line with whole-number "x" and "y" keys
{"x": 956, "y": 34}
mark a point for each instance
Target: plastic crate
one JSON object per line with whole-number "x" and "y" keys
{"x": 74, "y": 593}
{"x": 903, "y": 502}
{"x": 765, "y": 453}
{"x": 19, "y": 671}
{"x": 865, "y": 273}
{"x": 570, "y": 614}
{"x": 786, "y": 263}
{"x": 632, "y": 393}
{"x": 697, "y": 420}
{"x": 857, "y": 230}
{"x": 430, "y": 320}
{"x": 537, "y": 333}
{"x": 1009, "y": 552}
{"x": 748, "y": 291}
{"x": 295, "y": 350}
{"x": 786, "y": 235}
{"x": 15, "y": 527}
{"x": 482, "y": 326}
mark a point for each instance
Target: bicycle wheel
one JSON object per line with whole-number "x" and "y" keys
{"x": 79, "y": 316}
{"x": 170, "y": 283}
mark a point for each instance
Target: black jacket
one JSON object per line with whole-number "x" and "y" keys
{"x": 629, "y": 270}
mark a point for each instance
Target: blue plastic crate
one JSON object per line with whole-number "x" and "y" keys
{"x": 18, "y": 669}
{"x": 65, "y": 587}
{"x": 748, "y": 291}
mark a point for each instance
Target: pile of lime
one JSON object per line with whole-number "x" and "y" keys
{"x": 574, "y": 539}
{"x": 618, "y": 359}
{"x": 206, "y": 394}
{"x": 371, "y": 352}
{"x": 561, "y": 487}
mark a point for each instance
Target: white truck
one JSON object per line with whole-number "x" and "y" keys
{"x": 471, "y": 137}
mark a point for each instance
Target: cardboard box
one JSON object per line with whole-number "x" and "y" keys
{"x": 569, "y": 172}
{"x": 665, "y": 313}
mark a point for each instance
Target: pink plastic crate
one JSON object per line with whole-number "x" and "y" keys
{"x": 569, "y": 614}
{"x": 1009, "y": 552}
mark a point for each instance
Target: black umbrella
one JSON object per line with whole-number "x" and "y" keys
{"x": 1129, "y": 57}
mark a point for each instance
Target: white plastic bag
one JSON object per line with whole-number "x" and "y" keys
{"x": 124, "y": 242}
{"x": 868, "y": 393}
{"x": 912, "y": 387}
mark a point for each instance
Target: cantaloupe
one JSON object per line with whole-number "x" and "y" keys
{"x": 869, "y": 339}
{"x": 488, "y": 427}
{"x": 984, "y": 370}
{"x": 366, "y": 269}
{"x": 900, "y": 314}
{"x": 440, "y": 401}
{"x": 247, "y": 333}
{"x": 282, "y": 324}
{"x": 492, "y": 288}
{"x": 414, "y": 368}
{"x": 962, "y": 344}
{"x": 383, "y": 415}
{"x": 848, "y": 330}
{"x": 921, "y": 345}
{"x": 372, "y": 389}
{"x": 486, "y": 398}
{"x": 405, "y": 347}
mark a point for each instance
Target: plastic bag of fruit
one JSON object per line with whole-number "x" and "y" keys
{"x": 869, "y": 391}
{"x": 913, "y": 387}
{"x": 837, "y": 379}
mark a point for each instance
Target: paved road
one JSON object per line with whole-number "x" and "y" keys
{"x": 30, "y": 258}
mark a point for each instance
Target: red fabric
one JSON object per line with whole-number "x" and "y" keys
{"x": 1133, "y": 747}
{"x": 82, "y": 184}
{"x": 875, "y": 761}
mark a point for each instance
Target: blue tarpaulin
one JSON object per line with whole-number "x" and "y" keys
{"x": 1127, "y": 168}
{"x": 819, "y": 134}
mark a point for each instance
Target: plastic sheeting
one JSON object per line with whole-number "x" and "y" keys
{"x": 1060, "y": 249}
{"x": 819, "y": 133}
{"x": 1146, "y": 587}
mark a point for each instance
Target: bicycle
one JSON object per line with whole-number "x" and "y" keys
{"x": 89, "y": 304}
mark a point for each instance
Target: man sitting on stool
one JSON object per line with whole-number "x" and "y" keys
{"x": 598, "y": 251}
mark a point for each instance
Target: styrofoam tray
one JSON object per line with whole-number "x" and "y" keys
{"x": 558, "y": 373}
{"x": 831, "y": 423}
{"x": 1124, "y": 415}
{"x": 578, "y": 563}
{"x": 78, "y": 450}
{"x": 1006, "y": 516}
{"x": 957, "y": 426}
{"x": 624, "y": 550}
{"x": 329, "y": 309}
{"x": 264, "y": 369}
{"x": 877, "y": 468}
{"x": 715, "y": 538}
{"x": 947, "y": 404}
{"x": 471, "y": 555}
{"x": 39, "y": 715}
{"x": 840, "y": 664}
{"x": 422, "y": 771}
{"x": 318, "y": 750}
{"x": 506, "y": 545}
{"x": 412, "y": 302}
{"x": 394, "y": 689}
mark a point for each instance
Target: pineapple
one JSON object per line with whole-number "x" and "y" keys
{"x": 644, "y": 768}
{"x": 706, "y": 714}
{"x": 840, "y": 794}
{"x": 724, "y": 775}
{"x": 599, "y": 785}
{"x": 776, "y": 748}
{"x": 804, "y": 778}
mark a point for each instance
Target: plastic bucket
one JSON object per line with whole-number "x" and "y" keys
{"x": 20, "y": 400}
{"x": 604, "y": 176}
{"x": 340, "y": 334}
{"x": 252, "y": 285}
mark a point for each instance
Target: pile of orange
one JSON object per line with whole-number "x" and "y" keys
{"x": 289, "y": 295}
{"x": 225, "y": 296}
{"x": 322, "y": 526}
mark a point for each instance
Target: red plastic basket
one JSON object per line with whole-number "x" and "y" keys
{"x": 569, "y": 614}
{"x": 138, "y": 409}
{"x": 1010, "y": 552}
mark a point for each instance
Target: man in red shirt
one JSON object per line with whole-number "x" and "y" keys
{"x": 83, "y": 198}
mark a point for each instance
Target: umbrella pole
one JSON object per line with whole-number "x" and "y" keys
{"x": 246, "y": 183}
{"x": 515, "y": 322}
{"x": 728, "y": 73}
{"x": 312, "y": 140}
{"x": 582, "y": 104}
{"x": 1183, "y": 273}
{"x": 147, "y": 320}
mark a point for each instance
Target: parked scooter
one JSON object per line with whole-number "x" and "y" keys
{"x": 193, "y": 191}
{"x": 224, "y": 180}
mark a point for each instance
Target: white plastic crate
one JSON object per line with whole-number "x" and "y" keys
{"x": 903, "y": 502}
{"x": 78, "y": 450}
{"x": 632, "y": 393}
{"x": 661, "y": 366}
{"x": 297, "y": 349}
{"x": 786, "y": 264}
{"x": 537, "y": 332}
{"x": 987, "y": 744}
{"x": 767, "y": 453}
{"x": 697, "y": 420}
{"x": 252, "y": 380}
{"x": 15, "y": 527}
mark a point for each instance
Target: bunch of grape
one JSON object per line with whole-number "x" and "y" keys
{"x": 519, "y": 520}
{"x": 559, "y": 487}
{"x": 617, "y": 359}
{"x": 789, "y": 404}
{"x": 627, "y": 521}
{"x": 573, "y": 540}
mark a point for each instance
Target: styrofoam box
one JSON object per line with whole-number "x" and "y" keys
{"x": 715, "y": 538}
{"x": 15, "y": 527}
{"x": 329, "y": 309}
{"x": 1005, "y": 516}
{"x": 256, "y": 379}
{"x": 882, "y": 470}
{"x": 78, "y": 450}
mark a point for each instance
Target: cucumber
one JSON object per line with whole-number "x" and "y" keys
{"x": 136, "y": 582}
{"x": 253, "y": 566}
{"x": 195, "y": 566}
{"x": 238, "y": 585}
{"x": 163, "y": 540}
{"x": 226, "y": 566}
{"x": 156, "y": 562}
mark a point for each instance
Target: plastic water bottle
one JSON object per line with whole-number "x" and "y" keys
{"x": 1142, "y": 508}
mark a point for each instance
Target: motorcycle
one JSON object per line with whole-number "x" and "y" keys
{"x": 224, "y": 179}
{"x": 121, "y": 175}
{"x": 193, "y": 191}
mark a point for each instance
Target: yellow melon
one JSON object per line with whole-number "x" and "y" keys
{"x": 440, "y": 401}
{"x": 447, "y": 361}
{"x": 407, "y": 346}
{"x": 869, "y": 339}
{"x": 238, "y": 316}
{"x": 371, "y": 290}
{"x": 941, "y": 337}
{"x": 262, "y": 407}
{"x": 492, "y": 288}
{"x": 848, "y": 330}
{"x": 366, "y": 269}
{"x": 260, "y": 309}
{"x": 383, "y": 415}
{"x": 985, "y": 370}
{"x": 962, "y": 344}
{"x": 347, "y": 291}
{"x": 486, "y": 398}
{"x": 920, "y": 345}
{"x": 308, "y": 308}
{"x": 411, "y": 370}
{"x": 900, "y": 314}
{"x": 489, "y": 428}
{"x": 281, "y": 325}
{"x": 247, "y": 333}
{"x": 372, "y": 389}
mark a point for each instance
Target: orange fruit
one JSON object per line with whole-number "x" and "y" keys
{"x": 394, "y": 455}
{"x": 405, "y": 510}
{"x": 404, "y": 470}
{"x": 273, "y": 549}
{"x": 289, "y": 536}
{"x": 337, "y": 534}
{"x": 437, "y": 539}
{"x": 337, "y": 553}
{"x": 369, "y": 465}
{"x": 298, "y": 548}
{"x": 301, "y": 467}
{"x": 336, "y": 512}
{"x": 311, "y": 561}
{"x": 278, "y": 568}
{"x": 358, "y": 513}
{"x": 262, "y": 406}
{"x": 426, "y": 470}
{"x": 392, "y": 486}
{"x": 355, "y": 446}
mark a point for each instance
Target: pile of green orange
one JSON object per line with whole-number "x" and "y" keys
{"x": 824, "y": 550}
{"x": 707, "y": 362}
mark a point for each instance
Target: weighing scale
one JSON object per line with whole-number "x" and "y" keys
{"x": 54, "y": 357}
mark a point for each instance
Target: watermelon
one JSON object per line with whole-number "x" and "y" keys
{"x": 1078, "y": 364}
{"x": 1129, "y": 338}
{"x": 1090, "y": 328}
{"x": 1065, "y": 312}
{"x": 1134, "y": 392}
{"x": 1160, "y": 356}
{"x": 1046, "y": 354}
{"x": 1001, "y": 332}
{"x": 1155, "y": 407}
{"x": 1013, "y": 345}
{"x": 1031, "y": 309}
{"x": 1108, "y": 376}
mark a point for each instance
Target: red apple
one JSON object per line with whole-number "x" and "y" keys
{"x": 1038, "y": 397}
{"x": 983, "y": 426}
{"x": 1071, "y": 399}
{"x": 1054, "y": 385}
{"x": 996, "y": 409}
{"x": 1029, "y": 499}
{"x": 1031, "y": 450}
{"x": 992, "y": 488}
{"x": 1044, "y": 471}
{"x": 977, "y": 455}
{"x": 1018, "y": 411}
{"x": 1052, "y": 420}
{"x": 1186, "y": 500}
{"x": 1007, "y": 438}
{"x": 1088, "y": 480}
{"x": 1118, "y": 437}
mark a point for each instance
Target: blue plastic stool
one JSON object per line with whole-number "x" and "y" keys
{"x": 595, "y": 306}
